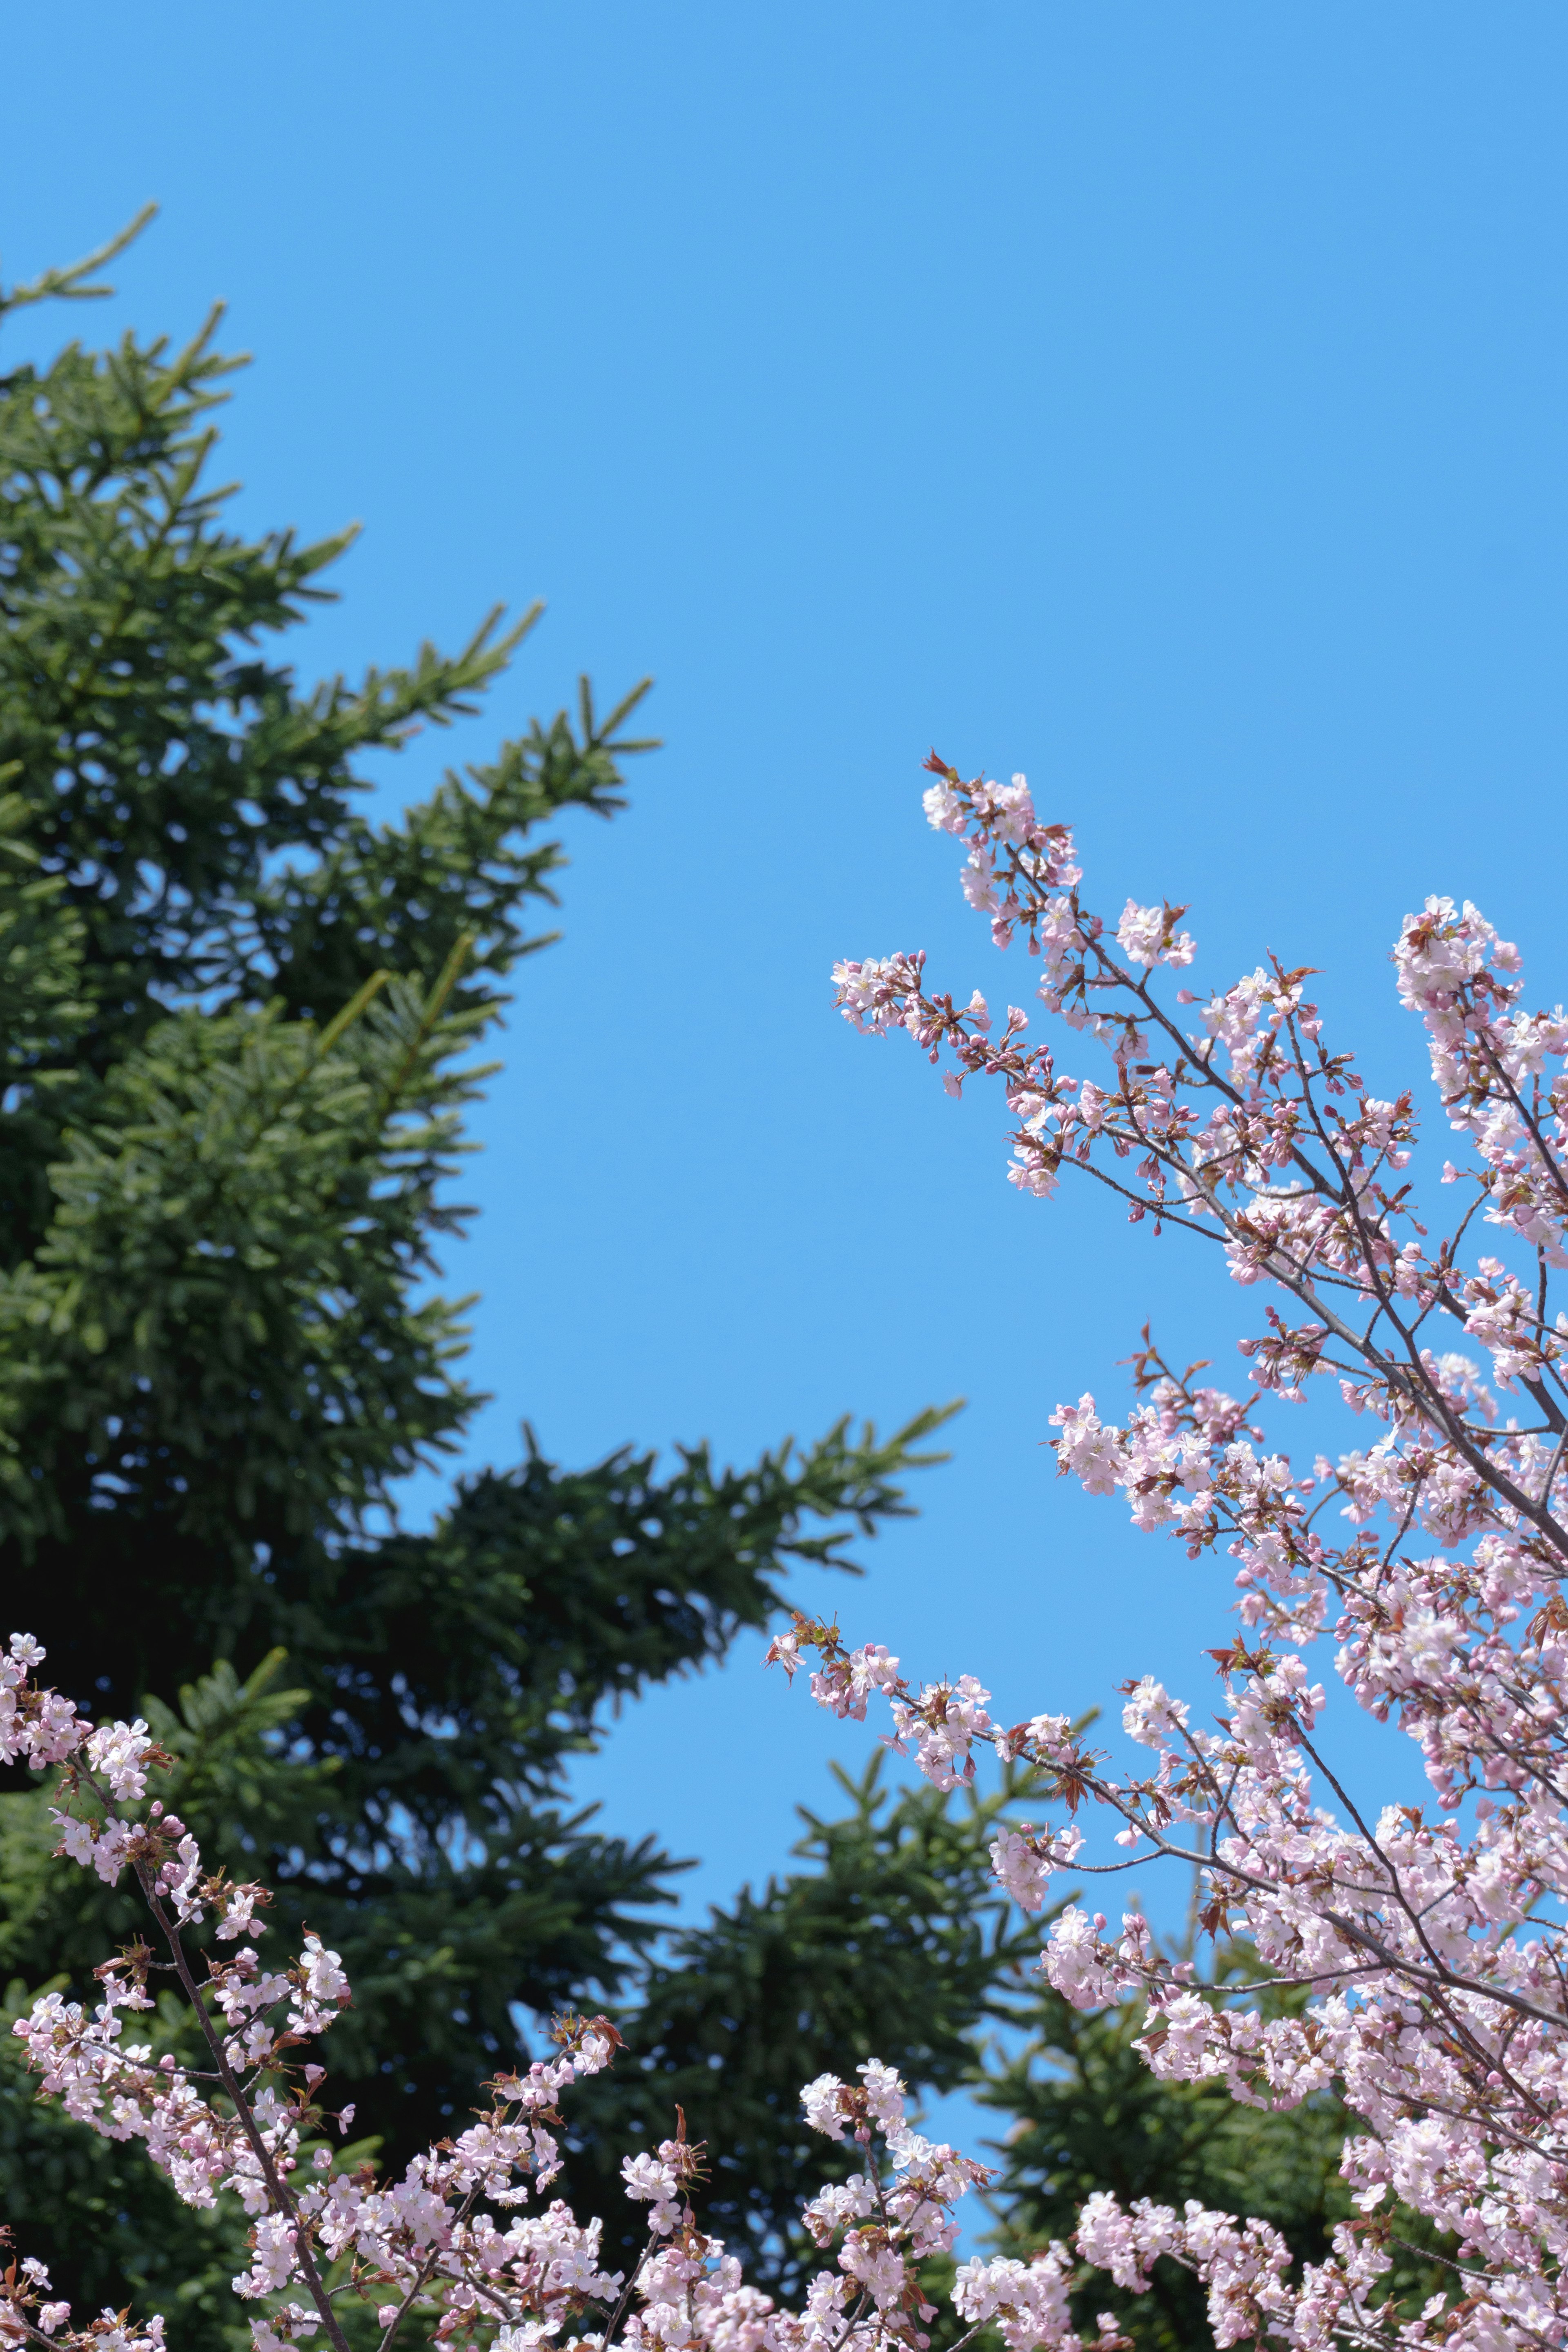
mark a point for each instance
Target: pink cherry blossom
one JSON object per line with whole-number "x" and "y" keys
{"x": 1433, "y": 1553}
{"x": 464, "y": 2236}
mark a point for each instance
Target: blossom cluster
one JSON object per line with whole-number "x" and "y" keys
{"x": 1431, "y": 1558}
{"x": 464, "y": 2238}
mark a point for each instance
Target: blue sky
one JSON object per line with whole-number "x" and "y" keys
{"x": 1167, "y": 401}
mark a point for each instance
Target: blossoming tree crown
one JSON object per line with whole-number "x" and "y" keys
{"x": 1432, "y": 1555}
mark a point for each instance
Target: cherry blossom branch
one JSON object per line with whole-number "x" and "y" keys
{"x": 1437, "y": 1963}
{"x": 428, "y": 2235}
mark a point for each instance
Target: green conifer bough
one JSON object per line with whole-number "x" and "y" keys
{"x": 239, "y": 1021}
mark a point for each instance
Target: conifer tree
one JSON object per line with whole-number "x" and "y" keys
{"x": 239, "y": 1020}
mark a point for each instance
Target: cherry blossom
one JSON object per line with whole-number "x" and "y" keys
{"x": 1431, "y": 1554}
{"x": 466, "y": 2238}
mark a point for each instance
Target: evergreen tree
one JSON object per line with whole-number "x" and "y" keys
{"x": 895, "y": 1943}
{"x": 239, "y": 1020}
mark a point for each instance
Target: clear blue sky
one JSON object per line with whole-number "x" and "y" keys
{"x": 1167, "y": 401}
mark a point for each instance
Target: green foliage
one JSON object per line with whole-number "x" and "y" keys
{"x": 895, "y": 1944}
{"x": 239, "y": 1022}
{"x": 240, "y": 1028}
